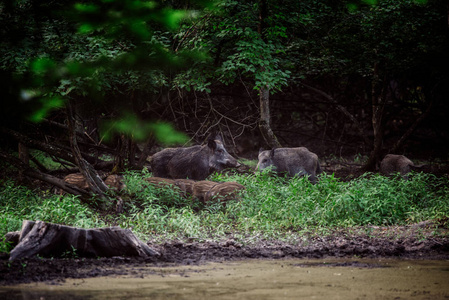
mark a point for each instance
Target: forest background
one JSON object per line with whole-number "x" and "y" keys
{"x": 100, "y": 85}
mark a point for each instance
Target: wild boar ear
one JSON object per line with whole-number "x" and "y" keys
{"x": 212, "y": 144}
{"x": 272, "y": 152}
{"x": 217, "y": 136}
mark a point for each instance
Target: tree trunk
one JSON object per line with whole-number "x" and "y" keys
{"x": 145, "y": 152}
{"x": 96, "y": 184}
{"x": 24, "y": 156}
{"x": 378, "y": 99}
{"x": 47, "y": 239}
{"x": 265, "y": 119}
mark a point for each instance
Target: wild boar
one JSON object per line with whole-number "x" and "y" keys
{"x": 196, "y": 162}
{"x": 393, "y": 163}
{"x": 186, "y": 185}
{"x": 291, "y": 161}
{"x": 115, "y": 182}
{"x": 159, "y": 181}
{"x": 201, "y": 188}
{"x": 224, "y": 191}
{"x": 76, "y": 179}
{"x": 159, "y": 162}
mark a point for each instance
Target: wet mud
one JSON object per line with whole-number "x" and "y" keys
{"x": 333, "y": 278}
{"x": 426, "y": 240}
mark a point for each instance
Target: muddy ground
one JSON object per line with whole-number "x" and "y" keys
{"x": 426, "y": 240}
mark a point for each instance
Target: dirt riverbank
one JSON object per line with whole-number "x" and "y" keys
{"x": 426, "y": 240}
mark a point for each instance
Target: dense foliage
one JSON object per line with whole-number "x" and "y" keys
{"x": 270, "y": 207}
{"x": 351, "y": 75}
{"x": 135, "y": 47}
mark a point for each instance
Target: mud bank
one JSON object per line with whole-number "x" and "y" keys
{"x": 425, "y": 240}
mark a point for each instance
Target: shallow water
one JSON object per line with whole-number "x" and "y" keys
{"x": 259, "y": 279}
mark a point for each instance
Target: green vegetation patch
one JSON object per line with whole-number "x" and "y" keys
{"x": 269, "y": 207}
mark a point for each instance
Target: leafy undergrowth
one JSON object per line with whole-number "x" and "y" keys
{"x": 269, "y": 208}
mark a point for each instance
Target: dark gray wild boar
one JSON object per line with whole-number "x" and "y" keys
{"x": 291, "y": 161}
{"x": 159, "y": 162}
{"x": 393, "y": 163}
{"x": 196, "y": 162}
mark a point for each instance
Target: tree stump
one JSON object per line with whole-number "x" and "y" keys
{"x": 54, "y": 240}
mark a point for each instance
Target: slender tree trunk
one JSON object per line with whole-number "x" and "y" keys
{"x": 24, "y": 156}
{"x": 145, "y": 152}
{"x": 122, "y": 154}
{"x": 96, "y": 184}
{"x": 378, "y": 99}
{"x": 265, "y": 117}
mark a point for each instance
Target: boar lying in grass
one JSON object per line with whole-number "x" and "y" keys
{"x": 203, "y": 190}
{"x": 393, "y": 163}
{"x": 184, "y": 185}
{"x": 112, "y": 181}
{"x": 196, "y": 162}
{"x": 207, "y": 191}
{"x": 291, "y": 161}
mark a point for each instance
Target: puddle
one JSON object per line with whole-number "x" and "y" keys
{"x": 259, "y": 279}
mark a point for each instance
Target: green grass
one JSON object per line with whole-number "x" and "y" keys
{"x": 19, "y": 203}
{"x": 270, "y": 207}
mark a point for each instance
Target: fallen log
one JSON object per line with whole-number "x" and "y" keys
{"x": 54, "y": 240}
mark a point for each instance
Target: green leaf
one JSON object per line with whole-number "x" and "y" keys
{"x": 167, "y": 135}
{"x": 46, "y": 105}
{"x": 86, "y": 7}
{"x": 42, "y": 65}
{"x": 140, "y": 130}
{"x": 174, "y": 18}
{"x": 85, "y": 28}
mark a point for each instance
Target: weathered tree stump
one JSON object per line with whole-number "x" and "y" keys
{"x": 48, "y": 239}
